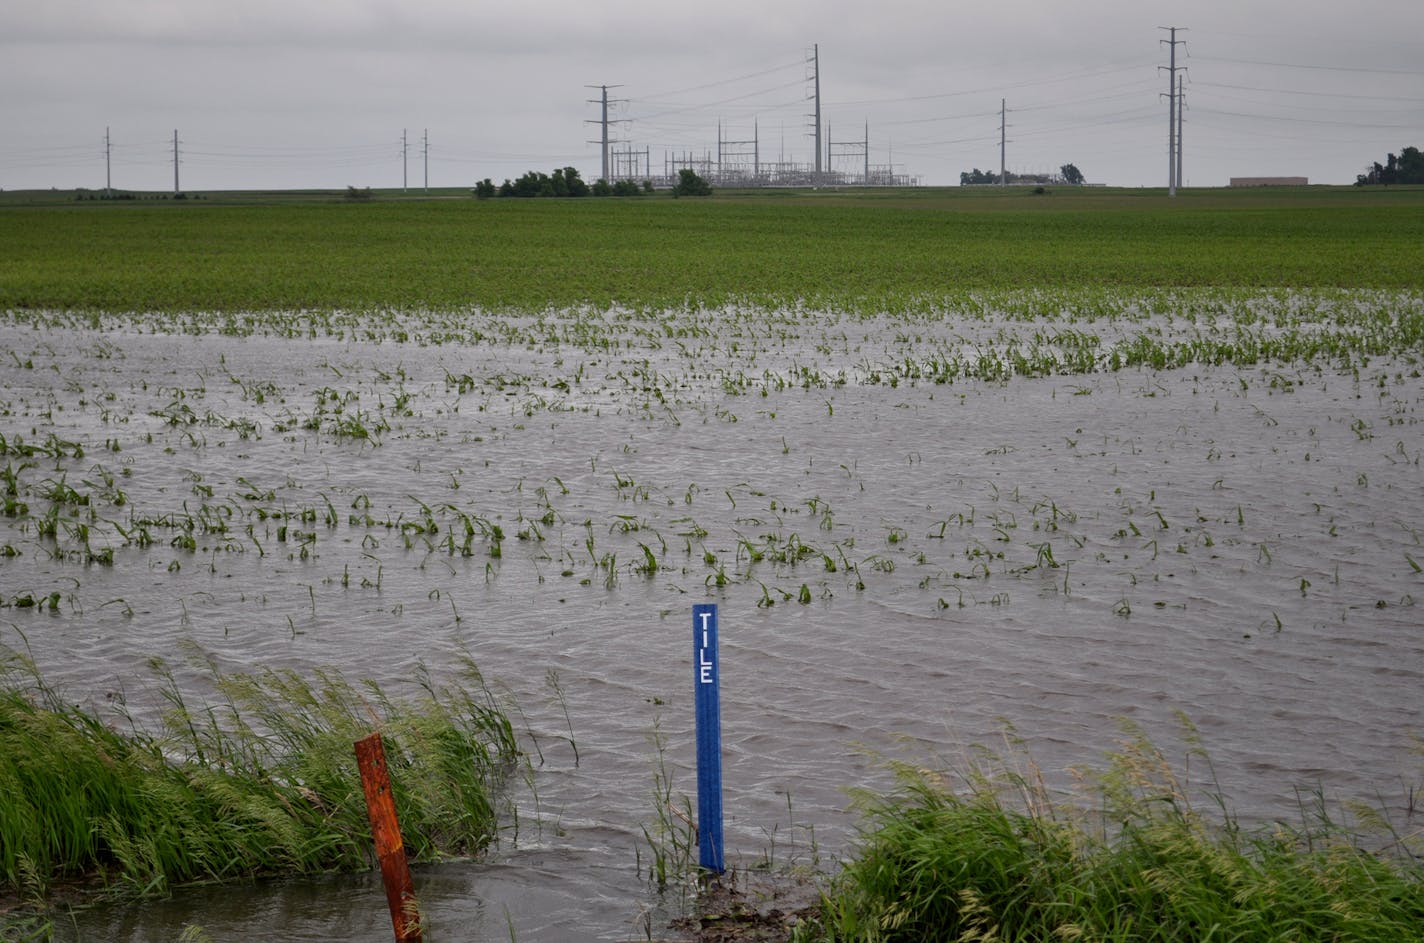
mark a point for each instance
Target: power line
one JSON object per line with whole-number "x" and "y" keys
{"x": 704, "y": 105}
{"x": 1288, "y": 91}
{"x": 1314, "y": 108}
{"x": 1263, "y": 133}
{"x": 1298, "y": 65}
{"x": 1129, "y": 116}
{"x": 1139, "y": 89}
{"x": 226, "y": 149}
{"x": 959, "y": 117}
{"x": 740, "y": 78}
{"x": 1332, "y": 124}
{"x": 1030, "y": 83}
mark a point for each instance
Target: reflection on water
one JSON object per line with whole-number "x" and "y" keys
{"x": 527, "y": 895}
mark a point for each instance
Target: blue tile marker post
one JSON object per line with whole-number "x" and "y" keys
{"x": 709, "y": 736}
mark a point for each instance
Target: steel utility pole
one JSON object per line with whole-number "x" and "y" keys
{"x": 603, "y": 122}
{"x": 108, "y": 177}
{"x": 425, "y": 153}
{"x": 405, "y": 148}
{"x": 176, "y": 191}
{"x": 816, "y": 96}
{"x": 756, "y": 150}
{"x": 1181, "y": 107}
{"x": 816, "y": 52}
{"x": 1003, "y": 128}
{"x": 1172, "y": 157}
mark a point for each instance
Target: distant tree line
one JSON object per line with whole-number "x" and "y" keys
{"x": 1408, "y": 167}
{"x": 566, "y": 182}
{"x": 1067, "y": 174}
{"x": 84, "y": 194}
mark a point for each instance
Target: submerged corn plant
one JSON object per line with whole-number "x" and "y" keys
{"x": 261, "y": 780}
{"x": 987, "y": 853}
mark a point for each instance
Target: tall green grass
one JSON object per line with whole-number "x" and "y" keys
{"x": 994, "y": 857}
{"x": 261, "y": 780}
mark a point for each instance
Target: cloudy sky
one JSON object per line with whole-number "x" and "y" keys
{"x": 318, "y": 93}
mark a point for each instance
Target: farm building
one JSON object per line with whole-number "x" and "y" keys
{"x": 1269, "y": 181}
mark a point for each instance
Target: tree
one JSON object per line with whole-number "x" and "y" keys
{"x": 690, "y": 184}
{"x": 1071, "y": 174}
{"x": 1408, "y": 167}
{"x": 485, "y": 189}
{"x": 533, "y": 183}
{"x": 574, "y": 182}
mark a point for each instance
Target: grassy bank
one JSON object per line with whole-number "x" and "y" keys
{"x": 986, "y": 854}
{"x": 837, "y": 249}
{"x": 260, "y": 781}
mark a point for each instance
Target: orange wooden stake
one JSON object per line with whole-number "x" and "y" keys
{"x": 390, "y": 850}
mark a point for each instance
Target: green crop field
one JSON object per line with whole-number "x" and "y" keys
{"x": 845, "y": 249}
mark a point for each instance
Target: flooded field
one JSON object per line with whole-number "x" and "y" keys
{"x": 1024, "y": 513}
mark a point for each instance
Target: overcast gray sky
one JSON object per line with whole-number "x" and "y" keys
{"x": 316, "y": 93}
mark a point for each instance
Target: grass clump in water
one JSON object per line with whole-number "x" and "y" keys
{"x": 997, "y": 859}
{"x": 262, "y": 781}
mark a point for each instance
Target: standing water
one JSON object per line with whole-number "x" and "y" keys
{"x": 922, "y": 534}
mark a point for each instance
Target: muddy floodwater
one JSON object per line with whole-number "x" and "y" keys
{"x": 904, "y": 567}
